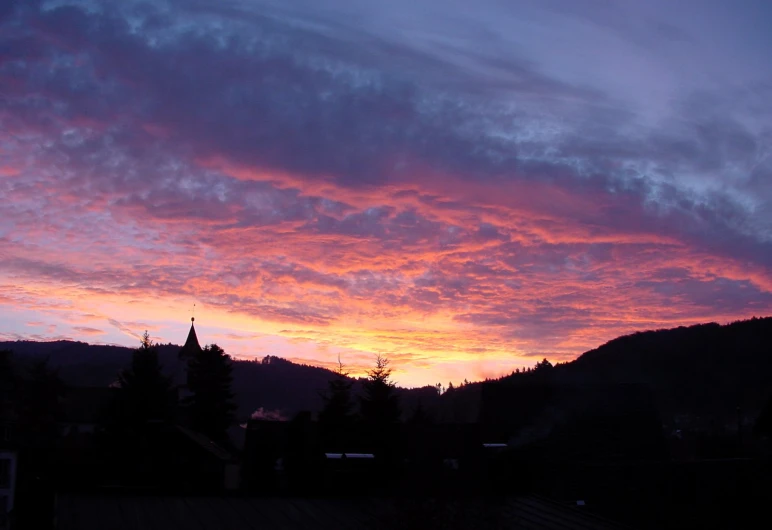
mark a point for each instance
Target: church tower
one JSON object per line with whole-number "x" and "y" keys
{"x": 188, "y": 352}
{"x": 191, "y": 347}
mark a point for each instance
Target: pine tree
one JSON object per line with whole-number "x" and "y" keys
{"x": 542, "y": 366}
{"x": 763, "y": 425}
{"x": 145, "y": 391}
{"x": 209, "y": 380}
{"x": 7, "y": 383}
{"x": 142, "y": 401}
{"x": 41, "y": 391}
{"x": 380, "y": 404}
{"x": 338, "y": 404}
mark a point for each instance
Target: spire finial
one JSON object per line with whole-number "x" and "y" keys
{"x": 193, "y": 316}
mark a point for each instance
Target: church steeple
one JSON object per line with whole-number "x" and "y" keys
{"x": 189, "y": 351}
{"x": 191, "y": 346}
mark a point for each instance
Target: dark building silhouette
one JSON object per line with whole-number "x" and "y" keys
{"x": 189, "y": 351}
{"x": 81, "y": 512}
{"x": 594, "y": 436}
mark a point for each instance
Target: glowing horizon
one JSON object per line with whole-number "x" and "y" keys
{"x": 466, "y": 192}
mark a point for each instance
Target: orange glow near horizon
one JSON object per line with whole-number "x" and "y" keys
{"x": 441, "y": 299}
{"x": 325, "y": 182}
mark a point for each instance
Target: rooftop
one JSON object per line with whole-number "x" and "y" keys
{"x": 239, "y": 513}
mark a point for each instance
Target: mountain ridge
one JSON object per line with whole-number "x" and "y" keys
{"x": 691, "y": 370}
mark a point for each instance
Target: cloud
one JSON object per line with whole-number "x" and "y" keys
{"x": 124, "y": 328}
{"x": 88, "y": 331}
{"x": 458, "y": 187}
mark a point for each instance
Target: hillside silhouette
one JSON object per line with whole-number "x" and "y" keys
{"x": 663, "y": 429}
{"x": 690, "y": 373}
{"x": 271, "y": 383}
{"x": 700, "y": 370}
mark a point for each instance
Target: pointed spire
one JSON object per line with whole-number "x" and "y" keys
{"x": 191, "y": 346}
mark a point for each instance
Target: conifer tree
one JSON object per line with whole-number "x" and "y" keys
{"x": 145, "y": 390}
{"x": 338, "y": 404}
{"x": 380, "y": 404}
{"x": 7, "y": 382}
{"x": 41, "y": 391}
{"x": 211, "y": 402}
{"x": 543, "y": 366}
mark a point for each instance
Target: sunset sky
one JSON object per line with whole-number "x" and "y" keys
{"x": 466, "y": 187}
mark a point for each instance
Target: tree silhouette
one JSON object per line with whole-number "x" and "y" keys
{"x": 211, "y": 402}
{"x": 7, "y": 383}
{"x": 763, "y": 425}
{"x": 338, "y": 404}
{"x": 145, "y": 391}
{"x": 41, "y": 391}
{"x": 542, "y": 366}
{"x": 36, "y": 393}
{"x": 380, "y": 405}
{"x": 420, "y": 416}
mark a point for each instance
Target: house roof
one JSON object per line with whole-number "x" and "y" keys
{"x": 205, "y": 443}
{"x": 240, "y": 513}
{"x": 535, "y": 512}
{"x": 204, "y": 513}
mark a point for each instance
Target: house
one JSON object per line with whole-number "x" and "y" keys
{"x": 87, "y": 512}
{"x": 204, "y": 464}
{"x": 83, "y": 409}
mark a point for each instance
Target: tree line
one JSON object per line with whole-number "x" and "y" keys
{"x": 145, "y": 395}
{"x": 378, "y": 404}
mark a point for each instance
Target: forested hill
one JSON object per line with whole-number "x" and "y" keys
{"x": 705, "y": 372}
{"x": 271, "y": 383}
{"x": 701, "y": 370}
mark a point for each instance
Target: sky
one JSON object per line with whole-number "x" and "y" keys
{"x": 464, "y": 187}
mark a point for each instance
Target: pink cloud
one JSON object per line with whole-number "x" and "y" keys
{"x": 370, "y": 212}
